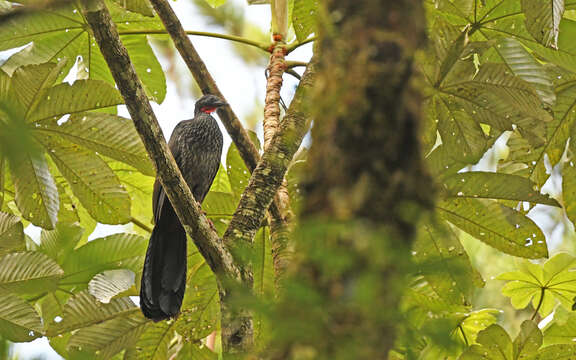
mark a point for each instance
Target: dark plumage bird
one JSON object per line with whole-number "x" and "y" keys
{"x": 197, "y": 147}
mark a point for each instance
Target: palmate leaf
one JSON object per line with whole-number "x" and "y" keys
{"x": 28, "y": 272}
{"x": 11, "y": 233}
{"x": 443, "y": 262}
{"x": 489, "y": 185}
{"x": 526, "y": 67}
{"x": 31, "y": 82}
{"x": 557, "y": 352}
{"x": 109, "y": 135}
{"x": 118, "y": 251}
{"x": 458, "y": 130}
{"x": 201, "y": 305}
{"x": 562, "y": 330}
{"x": 569, "y": 190}
{"x": 58, "y": 243}
{"x": 138, "y": 6}
{"x": 263, "y": 264}
{"x": 62, "y": 33}
{"x": 493, "y": 343}
{"x": 110, "y": 283}
{"x": 477, "y": 321}
{"x": 543, "y": 20}
{"x": 544, "y": 286}
{"x": 19, "y": 322}
{"x": 497, "y": 225}
{"x": 36, "y": 193}
{"x": 304, "y": 18}
{"x": 91, "y": 180}
{"x": 154, "y": 341}
{"x": 83, "y": 310}
{"x": 108, "y": 338}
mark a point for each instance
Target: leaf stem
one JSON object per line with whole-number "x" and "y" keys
{"x": 295, "y": 45}
{"x": 234, "y": 38}
{"x": 542, "y": 292}
{"x": 140, "y": 224}
{"x": 463, "y": 334}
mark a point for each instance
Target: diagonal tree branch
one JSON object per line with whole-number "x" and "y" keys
{"x": 188, "y": 210}
{"x": 247, "y": 150}
{"x": 268, "y": 175}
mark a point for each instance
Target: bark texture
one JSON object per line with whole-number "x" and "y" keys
{"x": 365, "y": 188}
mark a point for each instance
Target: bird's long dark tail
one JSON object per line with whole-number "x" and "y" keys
{"x": 164, "y": 274}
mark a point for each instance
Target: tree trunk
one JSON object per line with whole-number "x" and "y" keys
{"x": 366, "y": 186}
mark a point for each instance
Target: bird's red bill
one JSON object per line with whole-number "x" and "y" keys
{"x": 208, "y": 110}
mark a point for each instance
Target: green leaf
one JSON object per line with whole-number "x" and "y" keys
{"x": 84, "y": 310}
{"x": 109, "y": 135}
{"x": 63, "y": 33}
{"x": 110, "y": 283}
{"x": 215, "y": 3}
{"x": 138, "y": 6}
{"x": 443, "y": 262}
{"x": 497, "y": 225}
{"x": 304, "y": 18}
{"x": 58, "y": 243}
{"x": 118, "y": 251}
{"x": 11, "y": 233}
{"x": 19, "y": 322}
{"x": 30, "y": 82}
{"x": 557, "y": 352}
{"x": 219, "y": 204}
{"x": 543, "y": 285}
{"x": 563, "y": 329}
{"x": 82, "y": 95}
{"x": 154, "y": 342}
{"x": 91, "y": 180}
{"x": 197, "y": 352}
{"x": 263, "y": 264}
{"x": 221, "y": 182}
{"x": 458, "y": 130}
{"x": 543, "y": 20}
{"x": 238, "y": 173}
{"x": 28, "y": 272}
{"x": 495, "y": 344}
{"x": 527, "y": 68}
{"x": 528, "y": 340}
{"x": 569, "y": 190}
{"x": 108, "y": 338}
{"x": 477, "y": 321}
{"x": 489, "y": 185}
{"x": 36, "y": 193}
{"x": 201, "y": 305}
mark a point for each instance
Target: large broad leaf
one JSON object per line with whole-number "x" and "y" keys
{"x": 263, "y": 264}
{"x": 108, "y": 338}
{"x": 82, "y": 95}
{"x": 11, "y": 233}
{"x": 458, "y": 130}
{"x": 201, "y": 306}
{"x": 138, "y": 6}
{"x": 563, "y": 329}
{"x": 36, "y": 193}
{"x": 543, "y": 285}
{"x": 31, "y": 82}
{"x": 63, "y": 33}
{"x": 494, "y": 343}
{"x": 543, "y": 20}
{"x": 497, "y": 225}
{"x": 154, "y": 342}
{"x": 304, "y": 18}
{"x": 528, "y": 340}
{"x": 110, "y": 283}
{"x": 58, "y": 243}
{"x": 557, "y": 352}
{"x": 118, "y": 251}
{"x": 19, "y": 322}
{"x": 527, "y": 68}
{"x": 83, "y": 310}
{"x": 109, "y": 135}
{"x": 569, "y": 190}
{"x": 28, "y": 272}
{"x": 489, "y": 185}
{"x": 443, "y": 262}
{"x": 91, "y": 180}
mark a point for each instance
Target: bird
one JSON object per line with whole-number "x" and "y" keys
{"x": 196, "y": 145}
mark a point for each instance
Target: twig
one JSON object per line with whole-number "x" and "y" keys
{"x": 195, "y": 222}
{"x": 140, "y": 224}
{"x": 295, "y": 46}
{"x": 234, "y": 38}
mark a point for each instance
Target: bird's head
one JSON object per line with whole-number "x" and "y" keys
{"x": 208, "y": 104}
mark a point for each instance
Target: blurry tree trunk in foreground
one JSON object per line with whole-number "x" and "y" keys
{"x": 366, "y": 187}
